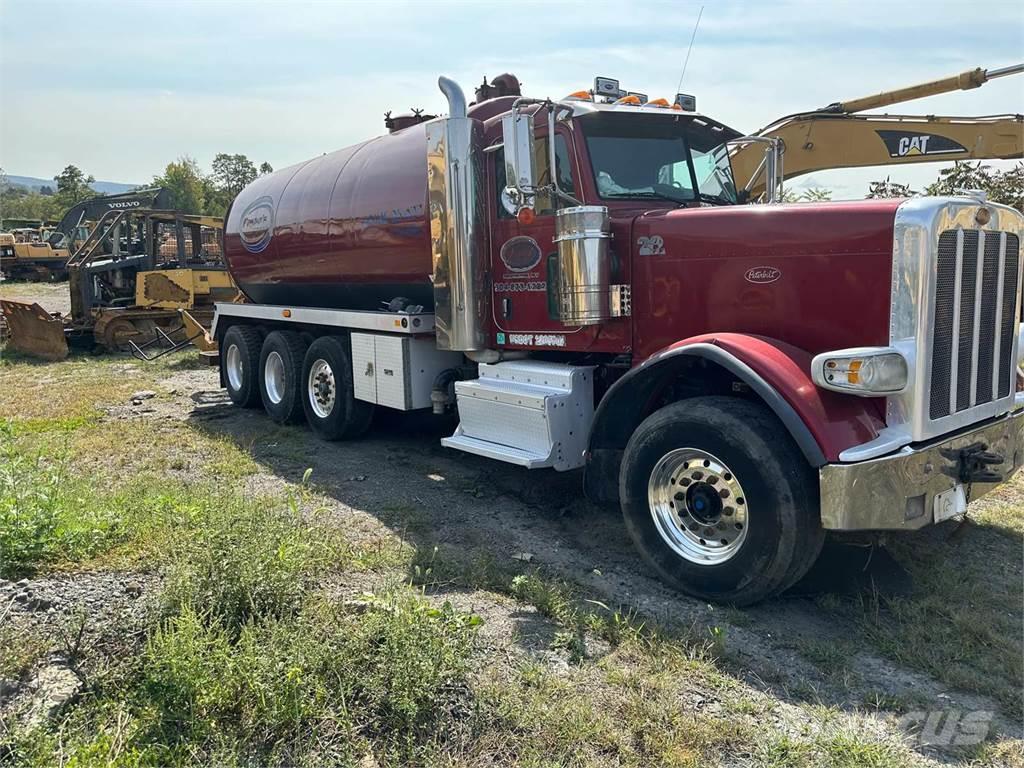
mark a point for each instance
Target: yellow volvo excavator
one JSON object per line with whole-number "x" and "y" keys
{"x": 837, "y": 136}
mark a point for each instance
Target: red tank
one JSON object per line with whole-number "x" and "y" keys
{"x": 347, "y": 230}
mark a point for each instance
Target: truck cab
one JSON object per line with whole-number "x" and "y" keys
{"x": 738, "y": 378}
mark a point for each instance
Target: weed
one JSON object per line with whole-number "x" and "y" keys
{"x": 45, "y": 516}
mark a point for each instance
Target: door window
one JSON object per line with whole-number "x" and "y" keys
{"x": 545, "y": 202}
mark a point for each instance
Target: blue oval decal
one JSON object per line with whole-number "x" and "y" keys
{"x": 256, "y": 226}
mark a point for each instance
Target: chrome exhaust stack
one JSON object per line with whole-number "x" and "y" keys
{"x": 455, "y": 195}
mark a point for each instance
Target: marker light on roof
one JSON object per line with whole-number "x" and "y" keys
{"x": 606, "y": 86}
{"x": 663, "y": 103}
{"x": 630, "y": 101}
{"x": 686, "y": 102}
{"x": 578, "y": 96}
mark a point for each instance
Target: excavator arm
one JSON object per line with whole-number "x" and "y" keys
{"x": 94, "y": 208}
{"x": 820, "y": 141}
{"x": 837, "y": 137}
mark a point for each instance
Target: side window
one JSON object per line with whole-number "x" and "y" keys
{"x": 546, "y": 205}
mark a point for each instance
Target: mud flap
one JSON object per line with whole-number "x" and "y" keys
{"x": 34, "y": 331}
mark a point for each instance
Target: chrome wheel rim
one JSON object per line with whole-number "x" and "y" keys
{"x": 273, "y": 377}
{"x": 698, "y": 506}
{"x": 321, "y": 388}
{"x": 234, "y": 367}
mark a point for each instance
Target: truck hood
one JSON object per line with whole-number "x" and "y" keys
{"x": 816, "y": 275}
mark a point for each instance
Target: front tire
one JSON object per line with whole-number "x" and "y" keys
{"x": 332, "y": 411}
{"x": 719, "y": 500}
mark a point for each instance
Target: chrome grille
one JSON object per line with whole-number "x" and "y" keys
{"x": 975, "y": 300}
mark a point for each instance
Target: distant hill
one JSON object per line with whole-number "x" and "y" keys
{"x": 102, "y": 187}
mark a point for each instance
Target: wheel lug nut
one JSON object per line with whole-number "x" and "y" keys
{"x": 724, "y": 493}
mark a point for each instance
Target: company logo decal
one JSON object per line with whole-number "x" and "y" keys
{"x": 651, "y": 246}
{"x": 763, "y": 275}
{"x": 125, "y": 204}
{"x": 257, "y": 225}
{"x": 520, "y": 254}
{"x": 910, "y": 143}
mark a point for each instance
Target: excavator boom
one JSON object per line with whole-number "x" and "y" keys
{"x": 965, "y": 81}
{"x": 817, "y": 142}
{"x": 837, "y": 137}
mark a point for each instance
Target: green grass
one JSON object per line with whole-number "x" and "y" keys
{"x": 962, "y": 623}
{"x": 251, "y": 662}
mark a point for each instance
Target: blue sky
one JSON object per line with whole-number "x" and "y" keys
{"x": 121, "y": 88}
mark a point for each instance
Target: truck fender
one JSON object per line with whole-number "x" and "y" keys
{"x": 821, "y": 423}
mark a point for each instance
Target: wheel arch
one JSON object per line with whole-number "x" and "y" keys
{"x": 778, "y": 375}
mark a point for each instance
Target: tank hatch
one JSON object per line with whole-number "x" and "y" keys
{"x": 503, "y": 85}
{"x": 399, "y": 122}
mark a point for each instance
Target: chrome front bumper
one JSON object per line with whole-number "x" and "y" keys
{"x": 897, "y": 492}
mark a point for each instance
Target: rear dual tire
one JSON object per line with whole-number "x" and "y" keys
{"x": 280, "y": 382}
{"x": 332, "y": 411}
{"x": 720, "y": 503}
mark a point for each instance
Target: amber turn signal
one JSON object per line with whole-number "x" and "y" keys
{"x": 526, "y": 216}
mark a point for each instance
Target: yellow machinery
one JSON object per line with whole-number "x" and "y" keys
{"x": 837, "y": 137}
{"x": 118, "y": 299}
{"x": 31, "y": 257}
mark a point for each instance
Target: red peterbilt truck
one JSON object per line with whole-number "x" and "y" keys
{"x": 739, "y": 378}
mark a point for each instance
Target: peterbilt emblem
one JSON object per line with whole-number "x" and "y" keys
{"x": 763, "y": 274}
{"x": 910, "y": 143}
{"x": 256, "y": 225}
{"x": 521, "y": 254}
{"x": 651, "y": 246}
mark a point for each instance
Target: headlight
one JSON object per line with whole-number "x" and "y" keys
{"x": 864, "y": 371}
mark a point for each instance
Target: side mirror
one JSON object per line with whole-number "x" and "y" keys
{"x": 517, "y": 132}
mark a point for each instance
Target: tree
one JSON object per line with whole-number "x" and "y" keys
{"x": 266, "y": 168}
{"x": 816, "y": 195}
{"x": 231, "y": 173}
{"x": 45, "y": 190}
{"x": 810, "y": 195}
{"x": 1005, "y": 187}
{"x": 888, "y": 188}
{"x": 185, "y": 185}
{"x": 73, "y": 186}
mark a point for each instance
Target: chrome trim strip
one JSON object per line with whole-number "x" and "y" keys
{"x": 975, "y": 339}
{"x": 389, "y": 322}
{"x": 954, "y": 364}
{"x": 889, "y": 439}
{"x": 1001, "y": 285}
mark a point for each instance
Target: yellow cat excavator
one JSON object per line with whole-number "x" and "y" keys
{"x": 837, "y": 136}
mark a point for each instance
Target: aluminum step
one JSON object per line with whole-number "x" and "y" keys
{"x": 534, "y": 414}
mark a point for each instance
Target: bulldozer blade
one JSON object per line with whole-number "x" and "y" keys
{"x": 34, "y": 331}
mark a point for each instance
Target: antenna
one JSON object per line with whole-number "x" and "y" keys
{"x": 692, "y": 38}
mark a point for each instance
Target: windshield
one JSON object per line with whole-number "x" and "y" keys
{"x": 661, "y": 157}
